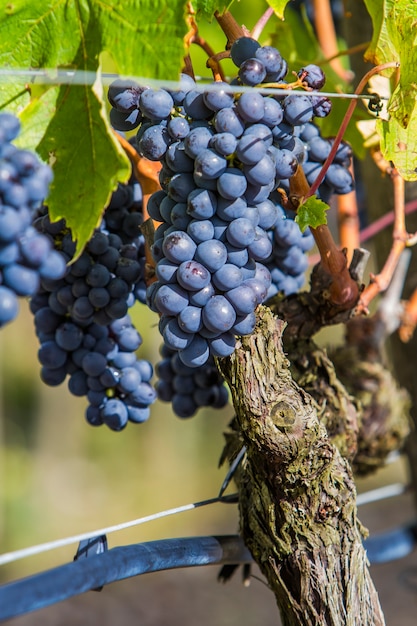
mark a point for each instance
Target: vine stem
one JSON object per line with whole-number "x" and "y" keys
{"x": 230, "y": 27}
{"x": 376, "y": 227}
{"x": 409, "y": 318}
{"x": 261, "y": 23}
{"x": 348, "y": 52}
{"x": 375, "y": 70}
{"x": 349, "y": 227}
{"x": 146, "y": 173}
{"x": 343, "y": 291}
{"x": 380, "y": 282}
{"x": 194, "y": 37}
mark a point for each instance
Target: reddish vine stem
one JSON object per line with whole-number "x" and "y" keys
{"x": 343, "y": 290}
{"x": 409, "y": 318}
{"x": 349, "y": 227}
{"x": 348, "y": 52}
{"x": 194, "y": 37}
{"x": 145, "y": 171}
{"x": 326, "y": 35}
{"x": 373, "y": 229}
{"x": 375, "y": 70}
{"x": 380, "y": 281}
{"x": 261, "y": 23}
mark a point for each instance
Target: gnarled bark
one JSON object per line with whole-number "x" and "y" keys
{"x": 296, "y": 492}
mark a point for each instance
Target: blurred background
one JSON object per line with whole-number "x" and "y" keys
{"x": 60, "y": 477}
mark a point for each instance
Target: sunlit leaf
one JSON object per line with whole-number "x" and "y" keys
{"x": 143, "y": 37}
{"x": 312, "y": 213}
{"x": 399, "y": 145}
{"x": 278, "y": 6}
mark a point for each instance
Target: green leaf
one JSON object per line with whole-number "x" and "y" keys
{"x": 395, "y": 39}
{"x": 88, "y": 161}
{"x": 278, "y": 6}
{"x": 399, "y": 145}
{"x": 143, "y": 37}
{"x": 207, "y": 8}
{"x": 312, "y": 213}
{"x": 36, "y": 117}
{"x": 36, "y": 34}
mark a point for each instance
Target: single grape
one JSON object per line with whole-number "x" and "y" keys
{"x": 193, "y": 276}
{"x": 242, "y": 49}
{"x": 313, "y": 76}
{"x": 251, "y": 107}
{"x": 252, "y": 72}
{"x": 218, "y": 98}
{"x": 298, "y": 109}
{"x": 9, "y": 305}
{"x": 218, "y": 314}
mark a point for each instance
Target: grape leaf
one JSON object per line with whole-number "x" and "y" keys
{"x": 278, "y": 6}
{"x": 312, "y": 213}
{"x": 90, "y": 156}
{"x": 87, "y": 161}
{"x": 399, "y": 145}
{"x": 395, "y": 39}
{"x": 207, "y": 8}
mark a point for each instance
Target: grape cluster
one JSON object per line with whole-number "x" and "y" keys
{"x": 338, "y": 179}
{"x": 189, "y": 388}
{"x": 222, "y": 246}
{"x": 25, "y": 255}
{"x": 288, "y": 261}
{"x": 101, "y": 284}
{"x": 82, "y": 320}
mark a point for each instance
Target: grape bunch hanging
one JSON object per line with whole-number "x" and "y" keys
{"x": 224, "y": 243}
{"x": 82, "y": 320}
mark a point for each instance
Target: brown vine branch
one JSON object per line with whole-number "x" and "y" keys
{"x": 347, "y": 52}
{"x": 296, "y": 492}
{"x": 352, "y": 105}
{"x": 193, "y": 37}
{"x": 326, "y": 35}
{"x": 230, "y": 27}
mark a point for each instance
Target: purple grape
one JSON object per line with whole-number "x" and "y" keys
{"x": 242, "y": 49}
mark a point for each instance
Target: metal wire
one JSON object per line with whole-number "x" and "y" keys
{"x": 51, "y": 76}
{"x": 9, "y": 557}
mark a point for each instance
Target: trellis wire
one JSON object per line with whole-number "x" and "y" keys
{"x": 374, "y": 495}
{"x": 9, "y": 557}
{"x": 51, "y": 76}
